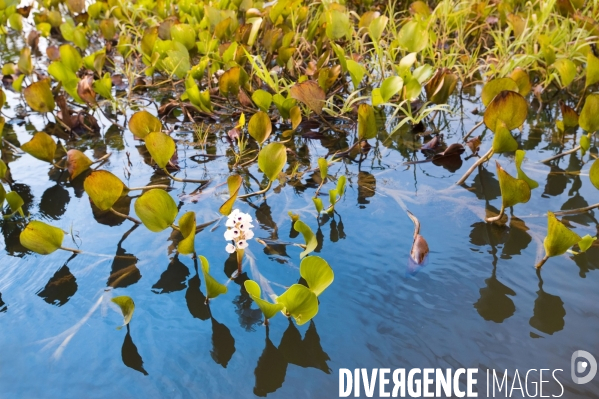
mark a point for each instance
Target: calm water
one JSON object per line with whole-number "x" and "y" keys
{"x": 478, "y": 302}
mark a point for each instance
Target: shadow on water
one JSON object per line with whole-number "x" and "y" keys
{"x": 173, "y": 278}
{"x": 54, "y": 202}
{"x": 223, "y": 343}
{"x": 548, "y": 312}
{"x": 130, "y": 354}
{"x": 3, "y": 306}
{"x": 124, "y": 271}
{"x": 272, "y": 365}
{"x": 61, "y": 287}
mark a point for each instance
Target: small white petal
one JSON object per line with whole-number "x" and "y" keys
{"x": 230, "y": 248}
{"x": 229, "y": 235}
{"x": 248, "y": 235}
{"x": 242, "y": 244}
{"x": 230, "y": 223}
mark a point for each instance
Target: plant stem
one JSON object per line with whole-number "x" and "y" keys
{"x": 257, "y": 192}
{"x": 101, "y": 159}
{"x": 75, "y": 251}
{"x": 575, "y": 211}
{"x": 482, "y": 159}
{"x": 239, "y": 253}
{"x": 125, "y": 216}
{"x": 185, "y": 180}
{"x": 472, "y": 130}
{"x": 498, "y": 217}
{"x": 542, "y": 262}
{"x": 563, "y": 154}
{"x": 164, "y": 186}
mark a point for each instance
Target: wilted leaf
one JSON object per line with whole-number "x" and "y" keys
{"x": 507, "y": 106}
{"x": 366, "y": 122}
{"x": 86, "y": 91}
{"x": 103, "y": 188}
{"x": 260, "y": 127}
{"x": 309, "y": 93}
{"x": 230, "y": 81}
{"x": 300, "y": 303}
{"x": 213, "y": 287}
{"x": 161, "y": 147}
{"x": 268, "y": 309}
{"x": 39, "y": 96}
{"x": 513, "y": 191}
{"x": 77, "y": 163}
{"x": 41, "y": 238}
{"x": 127, "y": 308}
{"x": 309, "y": 237}
{"x": 569, "y": 115}
{"x": 41, "y": 146}
{"x": 156, "y": 209}
{"x": 496, "y": 86}
{"x": 317, "y": 273}
{"x": 187, "y": 225}
{"x": 142, "y": 123}
{"x": 272, "y": 159}
{"x": 440, "y": 87}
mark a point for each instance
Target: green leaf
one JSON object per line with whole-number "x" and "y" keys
{"x": 559, "y": 238}
{"x": 317, "y": 273}
{"x": 586, "y": 242}
{"x": 592, "y": 69}
{"x": 3, "y": 169}
{"x": 366, "y": 122}
{"x": 589, "y": 116}
{"x": 309, "y": 237}
{"x": 594, "y": 174}
{"x": 300, "y": 303}
{"x": 41, "y": 238}
{"x": 376, "y": 27}
{"x": 77, "y": 163}
{"x": 127, "y": 308}
{"x": 2, "y": 195}
{"x": 333, "y": 199}
{"x": 377, "y": 98}
{"x": 341, "y": 185}
{"x": 70, "y": 57}
{"x": 142, "y": 123}
{"x": 566, "y": 69}
{"x": 323, "y": 166}
{"x": 338, "y": 24}
{"x": 262, "y": 99}
{"x": 356, "y": 72}
{"x": 103, "y": 188}
{"x": 522, "y": 80}
{"x": 268, "y": 309}
{"x": 187, "y": 225}
{"x": 521, "y": 175}
{"x": 507, "y": 106}
{"x": 213, "y": 287}
{"x": 230, "y": 81}
{"x": 184, "y": 34}
{"x": 513, "y": 191}
{"x": 295, "y": 114}
{"x": 39, "y": 96}
{"x": 585, "y": 143}
{"x": 503, "y": 141}
{"x": 496, "y": 86}
{"x": 413, "y": 36}
{"x": 161, "y": 147}
{"x": 318, "y": 205}
{"x": 24, "y": 63}
{"x": 272, "y": 159}
{"x": 390, "y": 87}
{"x": 2, "y": 101}
{"x": 15, "y": 202}
{"x": 41, "y": 146}
{"x": 104, "y": 86}
{"x": 234, "y": 183}
{"x": 260, "y": 127}
{"x": 156, "y": 209}
{"x": 440, "y": 87}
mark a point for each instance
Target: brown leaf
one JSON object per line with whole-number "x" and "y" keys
{"x": 53, "y": 53}
{"x": 474, "y": 144}
{"x": 85, "y": 90}
{"x": 244, "y": 99}
{"x": 65, "y": 113}
{"x": 33, "y": 39}
{"x": 419, "y": 246}
{"x": 309, "y": 93}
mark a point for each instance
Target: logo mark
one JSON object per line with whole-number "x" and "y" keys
{"x": 580, "y": 366}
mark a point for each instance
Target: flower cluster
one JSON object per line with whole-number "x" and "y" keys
{"x": 239, "y": 226}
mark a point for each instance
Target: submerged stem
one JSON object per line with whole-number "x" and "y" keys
{"x": 185, "y": 180}
{"x": 575, "y": 211}
{"x": 498, "y": 217}
{"x": 75, "y": 251}
{"x": 124, "y": 216}
{"x": 482, "y": 159}
{"x": 257, "y": 192}
{"x": 563, "y": 154}
{"x": 164, "y": 186}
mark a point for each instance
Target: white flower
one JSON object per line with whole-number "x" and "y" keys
{"x": 248, "y": 235}
{"x": 230, "y": 248}
{"x": 239, "y": 227}
{"x": 242, "y": 244}
{"x": 230, "y": 223}
{"x": 230, "y": 235}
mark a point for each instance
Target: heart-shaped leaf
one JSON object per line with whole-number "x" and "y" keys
{"x": 41, "y": 146}
{"x": 559, "y": 238}
{"x": 503, "y": 141}
{"x": 521, "y": 175}
{"x": 366, "y": 122}
{"x": 586, "y": 242}
{"x": 317, "y": 273}
{"x": 272, "y": 159}
{"x": 262, "y": 99}
{"x": 268, "y": 309}
{"x": 507, "y": 106}
{"x": 589, "y": 116}
{"x": 142, "y": 123}
{"x": 496, "y": 86}
{"x": 309, "y": 93}
{"x": 300, "y": 303}
{"x": 260, "y": 127}
{"x": 77, "y": 163}
{"x": 187, "y": 225}
{"x": 161, "y": 147}
{"x": 41, "y": 238}
{"x": 309, "y": 237}
{"x": 156, "y": 209}
{"x": 234, "y": 183}
{"x": 513, "y": 191}
{"x": 213, "y": 287}
{"x": 390, "y": 87}
{"x": 127, "y": 308}
{"x": 569, "y": 115}
{"x": 103, "y": 188}
{"x": 522, "y": 80}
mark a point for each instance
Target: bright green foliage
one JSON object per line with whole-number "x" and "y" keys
{"x": 234, "y": 183}
{"x": 589, "y": 116}
{"x": 260, "y": 127}
{"x": 317, "y": 273}
{"x": 309, "y": 237}
{"x": 127, "y": 306}
{"x": 162, "y": 148}
{"x": 559, "y": 238}
{"x": 272, "y": 159}
{"x": 156, "y": 209}
{"x": 213, "y": 287}
{"x": 187, "y": 225}
{"x": 268, "y": 309}
{"x": 300, "y": 303}
{"x": 586, "y": 242}
{"x": 513, "y": 191}
{"x": 103, "y": 188}
{"x": 142, "y": 123}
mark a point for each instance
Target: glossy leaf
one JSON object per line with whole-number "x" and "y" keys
{"x": 317, "y": 273}
{"x": 559, "y": 238}
{"x": 496, "y": 86}
{"x": 39, "y": 96}
{"x": 262, "y": 99}
{"x": 513, "y": 191}
{"x": 318, "y": 205}
{"x": 187, "y": 225}
{"x": 260, "y": 127}
{"x": 103, "y": 188}
{"x": 41, "y": 238}
{"x": 272, "y": 160}
{"x": 521, "y": 175}
{"x": 503, "y": 141}
{"x": 589, "y": 116}
{"x": 142, "y": 123}
{"x": 309, "y": 93}
{"x": 390, "y": 87}
{"x": 77, "y": 163}
{"x": 213, "y": 287}
{"x": 413, "y": 36}
{"x": 300, "y": 303}
{"x": 234, "y": 183}
{"x": 161, "y": 147}
{"x": 323, "y": 167}
{"x": 586, "y": 242}
{"x": 509, "y": 107}
{"x": 268, "y": 309}
{"x": 309, "y": 237}
{"x": 41, "y": 146}
{"x": 156, "y": 209}
{"x": 366, "y": 122}
{"x": 376, "y": 27}
{"x": 127, "y": 308}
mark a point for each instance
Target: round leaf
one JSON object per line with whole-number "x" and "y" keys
{"x": 509, "y": 107}
{"x": 272, "y": 159}
{"x": 77, "y": 163}
{"x": 260, "y": 127}
{"x": 39, "y": 96}
{"x": 41, "y": 146}
{"x": 156, "y": 209}
{"x": 41, "y": 238}
{"x": 142, "y": 123}
{"x": 589, "y": 116}
{"x": 262, "y": 99}
{"x": 161, "y": 146}
{"x": 317, "y": 273}
{"x": 496, "y": 86}
{"x": 299, "y": 302}
{"x": 103, "y": 188}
